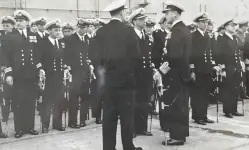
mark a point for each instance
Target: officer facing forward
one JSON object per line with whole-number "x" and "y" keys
{"x": 23, "y": 65}
{"x": 144, "y": 74}
{"x": 77, "y": 47}
{"x": 67, "y": 29}
{"x": 119, "y": 55}
{"x": 53, "y": 62}
{"x": 228, "y": 57}
{"x": 202, "y": 64}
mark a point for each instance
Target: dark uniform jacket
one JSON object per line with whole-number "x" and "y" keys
{"x": 159, "y": 43}
{"x": 202, "y": 52}
{"x": 120, "y": 59}
{"x": 229, "y": 56}
{"x": 53, "y": 63}
{"x": 21, "y": 55}
{"x": 77, "y": 58}
{"x": 41, "y": 38}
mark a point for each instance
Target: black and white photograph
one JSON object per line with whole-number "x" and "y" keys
{"x": 124, "y": 74}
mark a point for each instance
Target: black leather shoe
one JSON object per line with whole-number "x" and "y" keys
{"x": 208, "y": 120}
{"x": 145, "y": 133}
{"x": 138, "y": 148}
{"x": 175, "y": 142}
{"x": 2, "y": 135}
{"x": 19, "y": 134}
{"x": 82, "y": 124}
{"x": 201, "y": 122}
{"x": 98, "y": 121}
{"x": 60, "y": 129}
{"x": 33, "y": 132}
{"x": 229, "y": 115}
{"x": 237, "y": 114}
{"x": 74, "y": 126}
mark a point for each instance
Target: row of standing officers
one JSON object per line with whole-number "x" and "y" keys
{"x": 124, "y": 59}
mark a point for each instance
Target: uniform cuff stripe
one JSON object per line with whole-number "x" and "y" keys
{"x": 38, "y": 65}
{"x": 7, "y": 70}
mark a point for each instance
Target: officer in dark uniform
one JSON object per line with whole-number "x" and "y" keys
{"x": 241, "y": 36}
{"x": 159, "y": 39}
{"x": 23, "y": 65}
{"x": 202, "y": 65}
{"x": 97, "y": 86}
{"x": 77, "y": 48}
{"x": 67, "y": 29}
{"x": 53, "y": 61}
{"x": 178, "y": 48}
{"x": 8, "y": 24}
{"x": 119, "y": 56}
{"x": 144, "y": 75}
{"x": 40, "y": 23}
{"x": 229, "y": 60}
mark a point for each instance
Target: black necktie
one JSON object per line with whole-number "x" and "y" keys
{"x": 56, "y": 44}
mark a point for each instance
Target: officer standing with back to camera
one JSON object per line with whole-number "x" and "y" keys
{"x": 118, "y": 51}
{"x": 53, "y": 61}
{"x": 178, "y": 49}
{"x": 230, "y": 63}
{"x": 241, "y": 36}
{"x": 97, "y": 86}
{"x": 77, "y": 48}
{"x": 144, "y": 74}
{"x": 202, "y": 64}
{"x": 22, "y": 68}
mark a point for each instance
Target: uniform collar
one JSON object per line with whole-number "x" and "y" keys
{"x": 202, "y": 32}
{"x": 139, "y": 33}
{"x": 23, "y": 31}
{"x": 173, "y": 24}
{"x": 229, "y": 35}
{"x": 81, "y": 37}
{"x": 52, "y": 40}
{"x": 116, "y": 19}
{"x": 42, "y": 34}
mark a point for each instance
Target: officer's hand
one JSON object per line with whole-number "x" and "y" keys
{"x": 193, "y": 77}
{"x": 224, "y": 74}
{"x": 42, "y": 73}
{"x": 9, "y": 80}
{"x": 243, "y": 66}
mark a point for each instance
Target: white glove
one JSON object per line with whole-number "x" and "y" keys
{"x": 9, "y": 80}
{"x": 243, "y": 66}
{"x": 42, "y": 73}
{"x": 224, "y": 74}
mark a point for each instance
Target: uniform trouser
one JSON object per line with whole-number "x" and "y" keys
{"x": 118, "y": 102}
{"x": 54, "y": 109}
{"x": 84, "y": 107}
{"x": 24, "y": 104}
{"x": 199, "y": 94}
{"x": 141, "y": 119}
{"x": 199, "y": 103}
{"x": 229, "y": 93}
{"x": 53, "y": 101}
{"x": 96, "y": 99}
{"x": 6, "y": 110}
